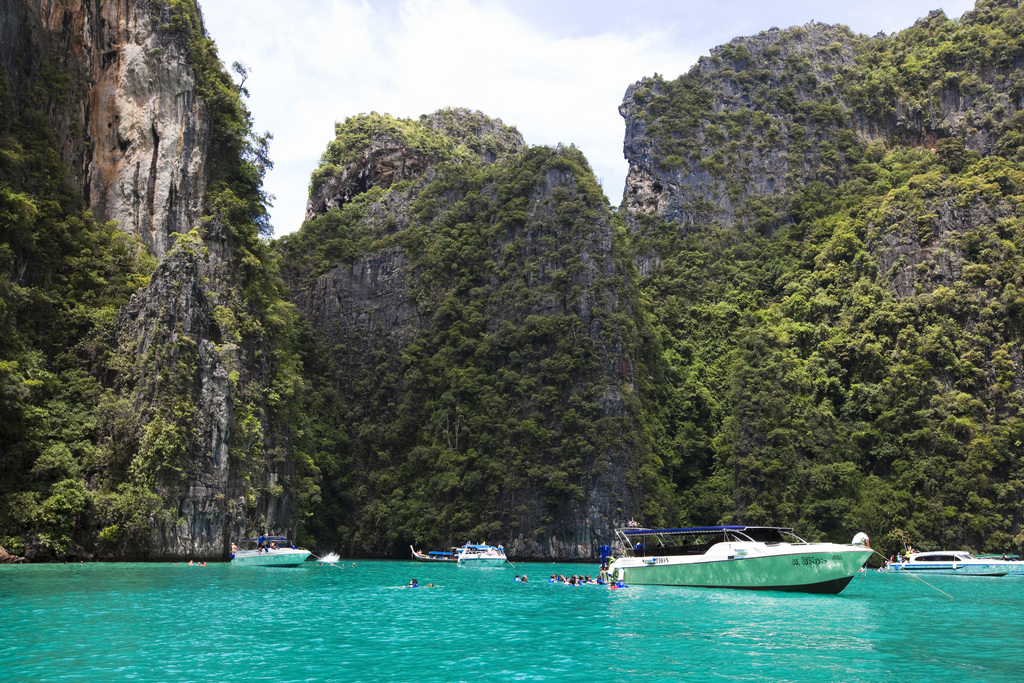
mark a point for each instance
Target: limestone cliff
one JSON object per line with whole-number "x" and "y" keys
{"x": 482, "y": 309}
{"x": 139, "y": 146}
{"x": 827, "y": 229}
{"x": 762, "y": 117}
{"x": 192, "y": 450}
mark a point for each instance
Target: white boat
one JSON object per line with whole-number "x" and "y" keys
{"x": 953, "y": 562}
{"x": 481, "y": 556}
{"x": 267, "y": 551}
{"x": 741, "y": 557}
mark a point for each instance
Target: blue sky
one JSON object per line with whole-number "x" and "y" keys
{"x": 554, "y": 70}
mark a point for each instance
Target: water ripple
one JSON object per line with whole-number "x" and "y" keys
{"x": 179, "y": 623}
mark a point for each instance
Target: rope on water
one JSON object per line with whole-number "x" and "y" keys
{"x": 884, "y": 558}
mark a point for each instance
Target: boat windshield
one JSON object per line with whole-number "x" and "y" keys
{"x": 941, "y": 556}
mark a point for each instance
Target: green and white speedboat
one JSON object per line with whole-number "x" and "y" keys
{"x": 742, "y": 557}
{"x": 268, "y": 551}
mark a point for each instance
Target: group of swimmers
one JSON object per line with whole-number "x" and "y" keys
{"x": 579, "y": 580}
{"x": 576, "y": 580}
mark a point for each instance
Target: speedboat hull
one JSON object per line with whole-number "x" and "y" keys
{"x": 959, "y": 570}
{"x": 277, "y": 557}
{"x": 807, "y": 568}
{"x": 482, "y": 562}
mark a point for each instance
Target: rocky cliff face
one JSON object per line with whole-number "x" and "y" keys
{"x": 208, "y": 459}
{"x": 504, "y": 258}
{"x": 819, "y": 216}
{"x": 700, "y": 146}
{"x": 207, "y": 441}
{"x": 764, "y": 116}
{"x": 140, "y": 130}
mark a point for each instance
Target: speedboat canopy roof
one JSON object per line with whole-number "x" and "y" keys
{"x": 635, "y": 532}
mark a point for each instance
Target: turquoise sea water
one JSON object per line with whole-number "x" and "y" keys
{"x": 175, "y": 622}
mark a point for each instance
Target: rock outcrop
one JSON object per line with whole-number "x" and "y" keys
{"x": 7, "y": 558}
{"x": 733, "y": 117}
{"x": 531, "y": 251}
{"x": 208, "y": 460}
{"x": 763, "y": 116}
{"x": 385, "y": 152}
{"x": 138, "y": 143}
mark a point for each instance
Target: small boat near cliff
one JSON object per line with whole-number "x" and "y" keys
{"x": 953, "y": 563}
{"x": 740, "y": 557}
{"x": 268, "y": 551}
{"x": 434, "y": 556}
{"x": 481, "y": 556}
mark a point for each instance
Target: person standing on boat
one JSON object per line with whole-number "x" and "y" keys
{"x": 862, "y": 539}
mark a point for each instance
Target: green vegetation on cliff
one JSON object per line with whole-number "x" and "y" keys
{"x": 480, "y": 415}
{"x": 63, "y": 277}
{"x": 846, "y": 354}
{"x": 807, "y": 312}
{"x": 100, "y": 438}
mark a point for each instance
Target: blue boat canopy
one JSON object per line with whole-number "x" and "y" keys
{"x": 701, "y": 530}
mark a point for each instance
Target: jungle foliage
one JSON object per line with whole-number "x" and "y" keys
{"x": 829, "y": 336}
{"x": 482, "y": 415}
{"x": 63, "y": 277}
{"x": 846, "y": 355}
{"x": 94, "y": 441}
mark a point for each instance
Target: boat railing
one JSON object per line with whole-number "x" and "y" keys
{"x": 738, "y": 536}
{"x": 796, "y": 539}
{"x": 641, "y": 541}
{"x": 266, "y": 542}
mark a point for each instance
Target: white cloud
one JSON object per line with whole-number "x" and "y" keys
{"x": 314, "y": 66}
{"x": 317, "y": 62}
